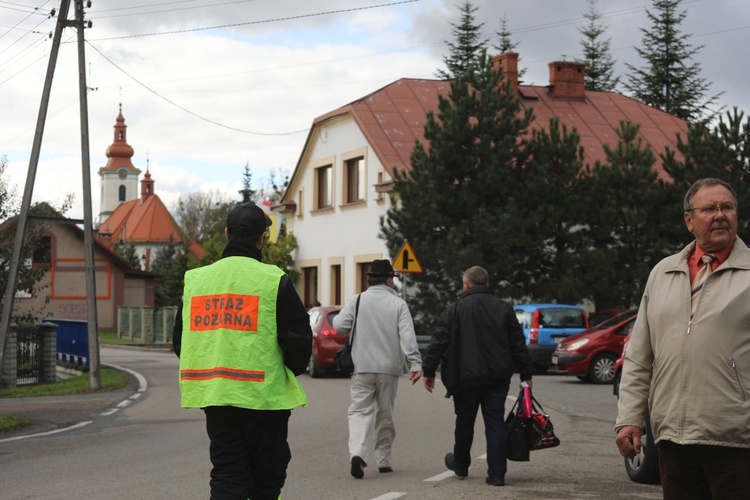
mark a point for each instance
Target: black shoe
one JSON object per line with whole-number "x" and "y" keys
{"x": 450, "y": 466}
{"x": 495, "y": 481}
{"x": 357, "y": 465}
{"x": 385, "y": 469}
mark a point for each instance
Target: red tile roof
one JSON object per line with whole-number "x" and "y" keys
{"x": 146, "y": 221}
{"x": 392, "y": 118}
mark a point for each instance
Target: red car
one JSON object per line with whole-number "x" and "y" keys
{"x": 591, "y": 355}
{"x": 325, "y": 341}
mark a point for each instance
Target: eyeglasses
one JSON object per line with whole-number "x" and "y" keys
{"x": 711, "y": 210}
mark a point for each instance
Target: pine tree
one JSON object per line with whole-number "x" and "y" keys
{"x": 552, "y": 203}
{"x": 467, "y": 45}
{"x": 596, "y": 53}
{"x": 451, "y": 204}
{"x": 248, "y": 195}
{"x": 670, "y": 80}
{"x": 506, "y": 44}
{"x": 625, "y": 234}
{"x": 721, "y": 150}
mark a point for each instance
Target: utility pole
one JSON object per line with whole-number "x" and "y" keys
{"x": 95, "y": 376}
{"x": 23, "y": 217}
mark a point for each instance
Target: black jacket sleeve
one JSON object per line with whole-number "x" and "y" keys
{"x": 293, "y": 327}
{"x": 177, "y": 332}
{"x": 439, "y": 342}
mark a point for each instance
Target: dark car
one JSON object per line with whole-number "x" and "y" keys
{"x": 591, "y": 355}
{"x": 325, "y": 340}
{"x": 644, "y": 467}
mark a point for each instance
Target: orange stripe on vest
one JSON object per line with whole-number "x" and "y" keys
{"x": 223, "y": 372}
{"x": 224, "y": 311}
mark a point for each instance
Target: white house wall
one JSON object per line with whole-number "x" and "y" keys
{"x": 343, "y": 234}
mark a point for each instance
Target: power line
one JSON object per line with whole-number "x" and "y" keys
{"x": 187, "y": 110}
{"x": 265, "y": 21}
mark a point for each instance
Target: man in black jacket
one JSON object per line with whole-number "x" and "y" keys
{"x": 480, "y": 344}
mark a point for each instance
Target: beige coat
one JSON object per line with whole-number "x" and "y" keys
{"x": 695, "y": 374}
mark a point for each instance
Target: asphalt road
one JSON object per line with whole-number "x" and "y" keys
{"x": 139, "y": 444}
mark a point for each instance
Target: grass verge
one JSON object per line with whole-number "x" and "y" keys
{"x": 112, "y": 339}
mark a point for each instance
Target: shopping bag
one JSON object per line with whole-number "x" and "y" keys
{"x": 542, "y": 431}
{"x": 518, "y": 444}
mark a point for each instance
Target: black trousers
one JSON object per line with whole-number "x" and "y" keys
{"x": 703, "y": 472}
{"x": 466, "y": 404}
{"x": 249, "y": 452}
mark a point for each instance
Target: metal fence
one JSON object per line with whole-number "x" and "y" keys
{"x": 164, "y": 324}
{"x": 143, "y": 324}
{"x": 30, "y": 346}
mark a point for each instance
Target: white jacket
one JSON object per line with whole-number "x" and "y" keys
{"x": 384, "y": 337}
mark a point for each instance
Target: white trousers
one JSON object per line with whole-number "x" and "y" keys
{"x": 373, "y": 396}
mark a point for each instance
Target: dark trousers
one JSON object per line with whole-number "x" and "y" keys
{"x": 703, "y": 472}
{"x": 249, "y": 452}
{"x": 466, "y": 404}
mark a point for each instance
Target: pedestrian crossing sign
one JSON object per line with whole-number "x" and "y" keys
{"x": 406, "y": 260}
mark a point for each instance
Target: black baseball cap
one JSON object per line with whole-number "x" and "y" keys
{"x": 248, "y": 218}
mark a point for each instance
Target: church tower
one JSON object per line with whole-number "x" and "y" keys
{"x": 119, "y": 178}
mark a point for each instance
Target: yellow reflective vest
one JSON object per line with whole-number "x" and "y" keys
{"x": 230, "y": 353}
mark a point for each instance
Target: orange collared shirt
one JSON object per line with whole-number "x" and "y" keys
{"x": 694, "y": 260}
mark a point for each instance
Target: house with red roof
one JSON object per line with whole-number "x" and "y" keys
{"x": 341, "y": 184}
{"x": 62, "y": 249}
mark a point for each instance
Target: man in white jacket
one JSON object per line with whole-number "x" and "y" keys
{"x": 383, "y": 342}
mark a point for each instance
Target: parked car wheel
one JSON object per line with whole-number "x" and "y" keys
{"x": 314, "y": 369}
{"x": 602, "y": 368}
{"x": 644, "y": 467}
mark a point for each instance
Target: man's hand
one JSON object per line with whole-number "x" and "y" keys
{"x": 429, "y": 383}
{"x": 414, "y": 376}
{"x": 629, "y": 441}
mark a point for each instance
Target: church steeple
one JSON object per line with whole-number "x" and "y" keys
{"x": 119, "y": 177}
{"x": 120, "y": 152}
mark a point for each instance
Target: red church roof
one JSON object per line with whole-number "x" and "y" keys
{"x": 146, "y": 220}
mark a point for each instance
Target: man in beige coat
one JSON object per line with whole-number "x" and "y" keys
{"x": 691, "y": 362}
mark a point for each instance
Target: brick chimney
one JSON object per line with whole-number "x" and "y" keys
{"x": 566, "y": 79}
{"x": 509, "y": 63}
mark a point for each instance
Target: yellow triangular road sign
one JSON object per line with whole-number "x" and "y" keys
{"x": 406, "y": 260}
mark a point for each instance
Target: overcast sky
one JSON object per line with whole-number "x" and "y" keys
{"x": 207, "y": 86}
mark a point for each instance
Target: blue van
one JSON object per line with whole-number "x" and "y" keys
{"x": 546, "y": 325}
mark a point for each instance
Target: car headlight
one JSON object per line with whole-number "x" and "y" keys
{"x": 577, "y": 344}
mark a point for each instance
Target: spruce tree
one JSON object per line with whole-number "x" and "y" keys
{"x": 506, "y": 44}
{"x": 596, "y": 53}
{"x": 248, "y": 194}
{"x": 451, "y": 205}
{"x": 670, "y": 79}
{"x": 467, "y": 45}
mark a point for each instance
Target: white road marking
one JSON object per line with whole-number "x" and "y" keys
{"x": 390, "y": 496}
{"x": 76, "y": 426}
{"x": 441, "y": 476}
